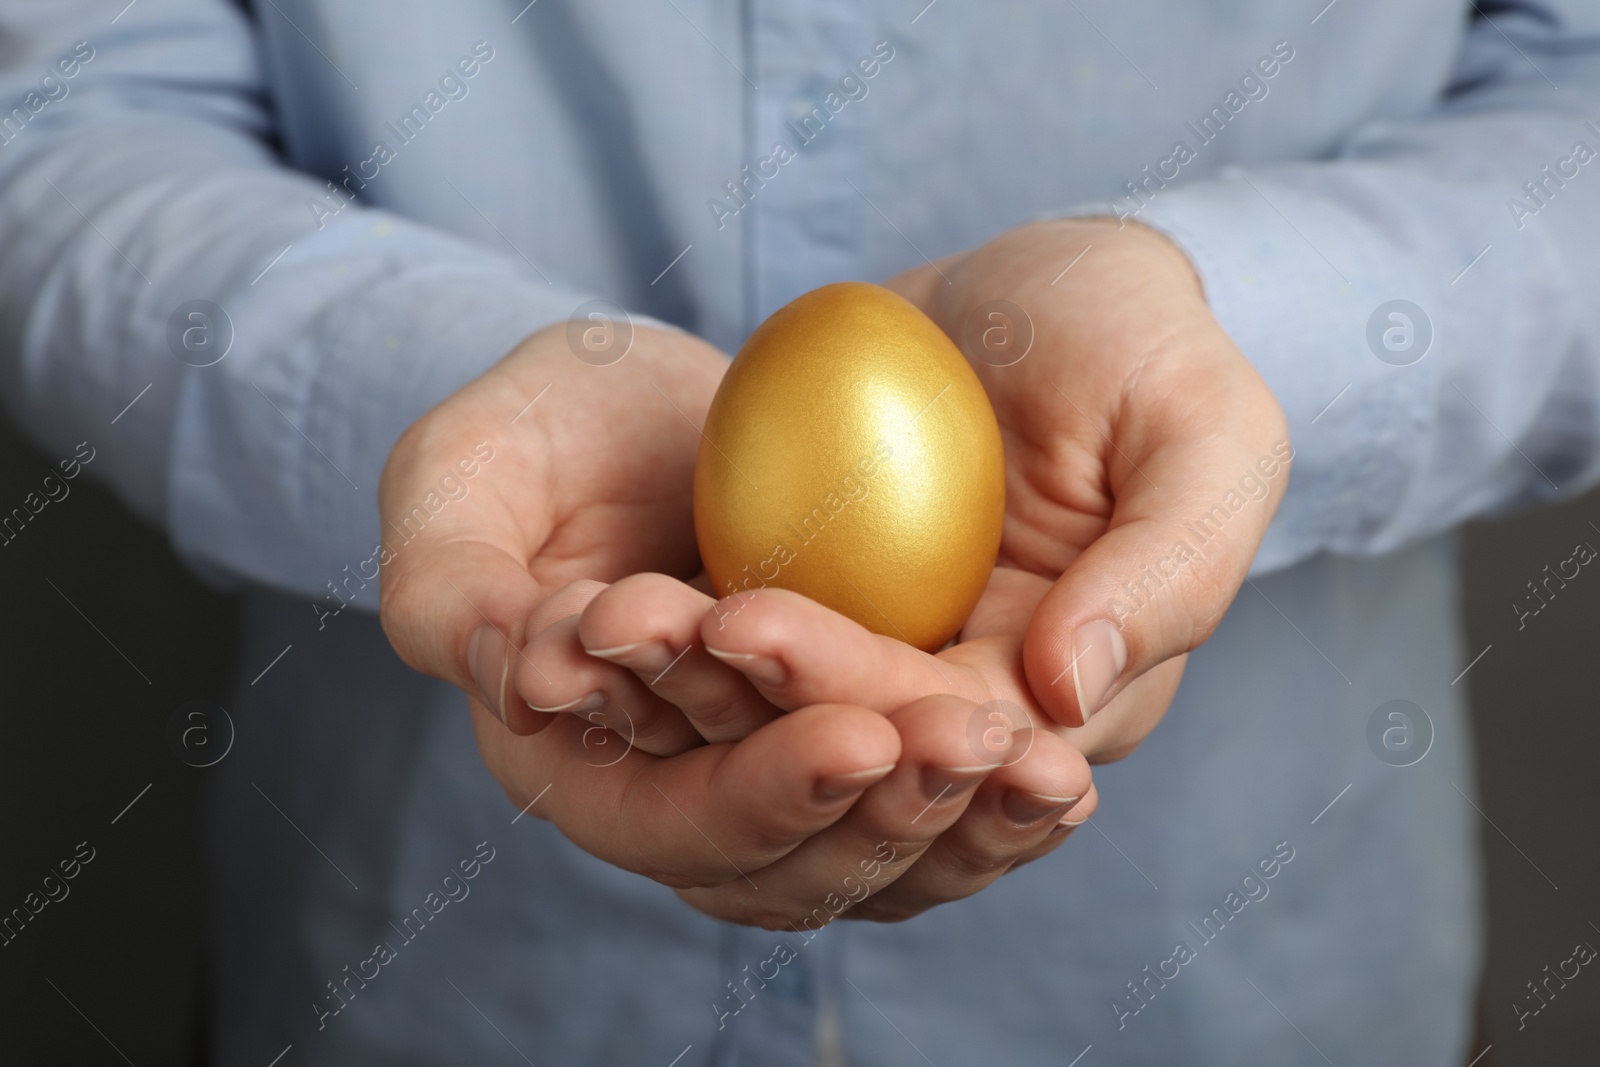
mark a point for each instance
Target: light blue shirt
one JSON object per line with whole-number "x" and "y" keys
{"x": 383, "y": 198}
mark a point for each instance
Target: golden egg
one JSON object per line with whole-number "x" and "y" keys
{"x": 851, "y": 455}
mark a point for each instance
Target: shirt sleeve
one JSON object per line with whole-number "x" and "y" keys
{"x": 1424, "y": 303}
{"x": 139, "y": 189}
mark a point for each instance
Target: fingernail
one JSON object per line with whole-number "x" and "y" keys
{"x": 761, "y": 669}
{"x": 838, "y": 787}
{"x": 490, "y": 666}
{"x": 1098, "y": 656}
{"x": 1069, "y": 820}
{"x": 613, "y": 653}
{"x": 1024, "y": 808}
{"x": 647, "y": 657}
{"x": 590, "y": 702}
{"x": 940, "y": 783}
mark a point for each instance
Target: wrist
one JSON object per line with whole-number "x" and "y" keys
{"x": 1142, "y": 248}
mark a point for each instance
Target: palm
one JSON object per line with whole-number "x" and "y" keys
{"x": 618, "y": 500}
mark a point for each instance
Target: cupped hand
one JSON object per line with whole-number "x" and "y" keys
{"x": 586, "y": 478}
{"x": 548, "y": 469}
{"x": 1145, "y": 458}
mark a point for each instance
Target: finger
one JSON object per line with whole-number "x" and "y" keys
{"x": 713, "y": 814}
{"x": 556, "y": 675}
{"x": 1075, "y": 817}
{"x": 650, "y": 624}
{"x": 1195, "y": 486}
{"x": 882, "y": 834}
{"x": 502, "y": 664}
{"x": 797, "y": 652}
{"x": 1013, "y": 814}
{"x": 460, "y": 615}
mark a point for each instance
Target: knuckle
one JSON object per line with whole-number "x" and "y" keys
{"x": 659, "y": 735}
{"x": 969, "y": 863}
{"x": 763, "y": 837}
{"x": 754, "y": 836}
{"x": 719, "y": 713}
{"x": 680, "y": 873}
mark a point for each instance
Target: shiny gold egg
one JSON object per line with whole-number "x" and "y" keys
{"x": 852, "y": 456}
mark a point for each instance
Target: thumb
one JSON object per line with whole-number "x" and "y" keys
{"x": 456, "y": 593}
{"x": 458, "y": 608}
{"x": 461, "y": 614}
{"x": 1185, "y": 526}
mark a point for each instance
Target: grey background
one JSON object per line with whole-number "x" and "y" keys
{"x": 85, "y": 732}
